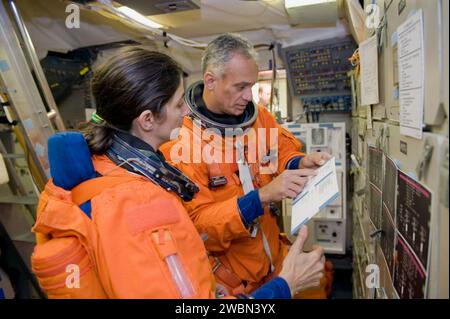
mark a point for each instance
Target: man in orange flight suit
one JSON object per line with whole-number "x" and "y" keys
{"x": 234, "y": 207}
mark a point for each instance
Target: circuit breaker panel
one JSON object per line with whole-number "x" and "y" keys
{"x": 328, "y": 227}
{"x": 400, "y": 183}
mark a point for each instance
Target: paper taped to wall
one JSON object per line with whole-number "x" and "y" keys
{"x": 321, "y": 190}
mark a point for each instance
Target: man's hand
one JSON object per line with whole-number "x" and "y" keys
{"x": 287, "y": 185}
{"x": 302, "y": 270}
{"x": 314, "y": 160}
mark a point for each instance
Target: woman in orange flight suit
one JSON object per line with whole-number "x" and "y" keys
{"x": 123, "y": 232}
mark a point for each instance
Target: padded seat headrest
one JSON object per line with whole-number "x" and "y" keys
{"x": 70, "y": 159}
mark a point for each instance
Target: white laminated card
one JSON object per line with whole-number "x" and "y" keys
{"x": 320, "y": 191}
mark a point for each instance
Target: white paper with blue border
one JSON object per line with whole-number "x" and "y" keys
{"x": 320, "y": 191}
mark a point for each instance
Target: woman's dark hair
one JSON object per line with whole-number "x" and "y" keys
{"x": 128, "y": 83}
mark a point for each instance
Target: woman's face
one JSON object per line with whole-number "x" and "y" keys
{"x": 175, "y": 110}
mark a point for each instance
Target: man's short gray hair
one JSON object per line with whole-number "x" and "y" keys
{"x": 220, "y": 50}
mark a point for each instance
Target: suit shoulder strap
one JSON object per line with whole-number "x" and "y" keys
{"x": 92, "y": 187}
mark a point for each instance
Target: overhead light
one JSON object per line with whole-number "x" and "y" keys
{"x": 303, "y": 3}
{"x": 130, "y": 13}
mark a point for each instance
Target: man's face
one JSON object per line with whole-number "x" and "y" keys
{"x": 264, "y": 95}
{"x": 233, "y": 91}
